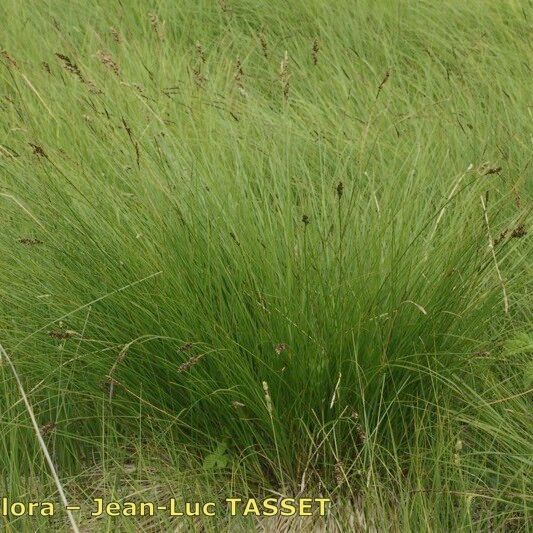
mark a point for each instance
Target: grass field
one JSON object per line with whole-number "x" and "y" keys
{"x": 267, "y": 249}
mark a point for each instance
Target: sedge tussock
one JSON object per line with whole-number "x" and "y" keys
{"x": 286, "y": 253}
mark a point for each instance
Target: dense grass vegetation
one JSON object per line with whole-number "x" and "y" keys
{"x": 264, "y": 246}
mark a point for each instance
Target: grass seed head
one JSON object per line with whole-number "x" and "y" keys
{"x": 107, "y": 60}
{"x": 115, "y": 34}
{"x": 339, "y": 189}
{"x": 384, "y": 81}
{"x": 62, "y": 334}
{"x": 187, "y": 365}
{"x": 199, "y": 78}
{"x": 268, "y": 399}
{"x": 38, "y": 150}
{"x": 264, "y": 46}
{"x": 200, "y": 51}
{"x": 280, "y": 347}
{"x": 29, "y": 241}
{"x": 285, "y": 75}
{"x": 157, "y": 26}
{"x": 48, "y": 428}
{"x": 70, "y": 66}
{"x": 9, "y": 60}
{"x": 339, "y": 473}
{"x": 239, "y": 77}
{"x": 519, "y": 232}
{"x": 314, "y": 51}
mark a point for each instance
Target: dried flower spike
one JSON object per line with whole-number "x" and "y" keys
{"x": 156, "y": 25}
{"x": 199, "y": 78}
{"x": 69, "y": 66}
{"x": 239, "y": 75}
{"x": 383, "y": 81}
{"x": 280, "y": 347}
{"x": 10, "y": 60}
{"x": 48, "y": 428}
{"x": 268, "y": 399}
{"x": 187, "y": 365}
{"x": 491, "y": 170}
{"x": 116, "y": 35}
{"x": 62, "y": 334}
{"x": 264, "y": 46}
{"x": 38, "y": 150}
{"x": 107, "y": 60}
{"x": 314, "y": 51}
{"x": 285, "y": 75}
{"x": 519, "y": 232}
{"x": 200, "y": 51}
{"x": 29, "y": 241}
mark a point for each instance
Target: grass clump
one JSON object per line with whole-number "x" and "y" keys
{"x": 285, "y": 247}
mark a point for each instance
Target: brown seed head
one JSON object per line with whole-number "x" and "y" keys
{"x": 69, "y": 66}
{"x": 8, "y": 59}
{"x": 487, "y": 171}
{"x": 280, "y": 347}
{"x": 263, "y": 43}
{"x": 314, "y": 51}
{"x": 383, "y": 81}
{"x": 200, "y": 51}
{"x": 29, "y": 241}
{"x": 48, "y": 428}
{"x": 107, "y": 60}
{"x": 519, "y": 232}
{"x": 187, "y": 365}
{"x": 38, "y": 150}
{"x": 116, "y": 35}
{"x": 339, "y": 473}
{"x": 239, "y": 75}
{"x": 62, "y": 334}
{"x": 285, "y": 75}
{"x": 199, "y": 78}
